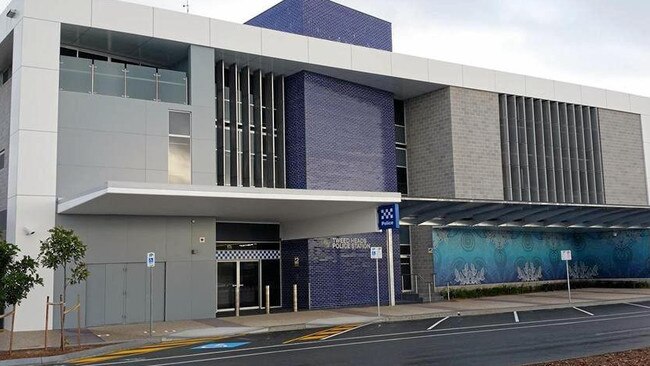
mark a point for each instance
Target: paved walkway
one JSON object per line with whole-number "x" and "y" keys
{"x": 318, "y": 318}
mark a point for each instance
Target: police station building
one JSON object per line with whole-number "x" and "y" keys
{"x": 256, "y": 155}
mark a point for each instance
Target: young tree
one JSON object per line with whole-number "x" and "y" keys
{"x": 17, "y": 278}
{"x": 63, "y": 249}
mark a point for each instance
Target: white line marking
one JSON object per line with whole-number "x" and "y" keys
{"x": 345, "y": 331}
{"x": 516, "y": 316}
{"x": 623, "y": 331}
{"x": 438, "y": 323}
{"x": 584, "y": 311}
{"x": 529, "y": 325}
{"x": 365, "y": 342}
{"x": 637, "y": 305}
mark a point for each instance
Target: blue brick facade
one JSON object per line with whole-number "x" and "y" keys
{"x": 327, "y": 20}
{"x": 337, "y": 277}
{"x": 339, "y": 135}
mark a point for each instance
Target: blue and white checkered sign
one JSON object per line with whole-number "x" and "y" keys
{"x": 388, "y": 217}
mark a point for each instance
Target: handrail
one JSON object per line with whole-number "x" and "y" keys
{"x": 417, "y": 276}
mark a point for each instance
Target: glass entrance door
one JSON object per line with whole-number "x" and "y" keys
{"x": 242, "y": 274}
{"x": 249, "y": 285}
{"x": 226, "y": 283}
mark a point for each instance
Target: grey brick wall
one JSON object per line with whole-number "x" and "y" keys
{"x": 429, "y": 139}
{"x": 477, "y": 144}
{"x": 421, "y": 259}
{"x": 623, "y": 159}
{"x": 454, "y": 146}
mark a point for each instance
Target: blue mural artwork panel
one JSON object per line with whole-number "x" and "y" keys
{"x": 479, "y": 256}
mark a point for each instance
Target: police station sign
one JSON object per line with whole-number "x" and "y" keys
{"x": 388, "y": 217}
{"x": 344, "y": 243}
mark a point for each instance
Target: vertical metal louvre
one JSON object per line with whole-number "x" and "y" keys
{"x": 551, "y": 151}
{"x": 233, "y": 83}
{"x": 250, "y": 127}
{"x": 221, "y": 123}
{"x": 245, "y": 85}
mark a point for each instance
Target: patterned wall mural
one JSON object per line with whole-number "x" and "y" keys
{"x": 478, "y": 256}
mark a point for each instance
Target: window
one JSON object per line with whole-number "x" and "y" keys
{"x": 2, "y": 159}
{"x": 400, "y": 148}
{"x": 405, "y": 258}
{"x": 180, "y": 152}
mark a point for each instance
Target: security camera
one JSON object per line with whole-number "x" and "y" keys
{"x": 29, "y": 231}
{"x": 12, "y": 13}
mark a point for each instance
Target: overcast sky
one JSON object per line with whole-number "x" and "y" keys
{"x": 602, "y": 43}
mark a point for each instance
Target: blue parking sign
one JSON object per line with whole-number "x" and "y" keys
{"x": 388, "y": 216}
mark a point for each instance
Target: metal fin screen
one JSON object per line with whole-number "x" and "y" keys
{"x": 550, "y": 151}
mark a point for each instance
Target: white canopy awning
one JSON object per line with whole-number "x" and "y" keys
{"x": 300, "y": 213}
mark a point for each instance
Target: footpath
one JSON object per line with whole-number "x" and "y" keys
{"x": 125, "y": 336}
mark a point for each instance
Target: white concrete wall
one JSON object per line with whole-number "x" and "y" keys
{"x": 33, "y": 151}
{"x": 334, "y": 58}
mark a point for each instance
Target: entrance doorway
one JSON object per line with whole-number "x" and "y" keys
{"x": 250, "y": 277}
{"x": 244, "y": 275}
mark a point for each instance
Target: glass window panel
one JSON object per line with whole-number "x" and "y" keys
{"x": 172, "y": 87}
{"x": 400, "y": 135}
{"x": 179, "y": 123}
{"x": 75, "y": 74}
{"x": 109, "y": 78}
{"x": 405, "y": 249}
{"x": 404, "y": 235}
{"x": 180, "y": 162}
{"x": 141, "y": 82}
{"x": 401, "y": 157}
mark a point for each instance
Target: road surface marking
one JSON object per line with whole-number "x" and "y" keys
{"x": 325, "y": 346}
{"x": 142, "y": 350}
{"x": 622, "y": 331}
{"x": 637, "y": 305}
{"x": 516, "y": 316}
{"x": 529, "y": 325}
{"x": 438, "y": 323}
{"x": 325, "y": 333}
{"x": 584, "y": 311}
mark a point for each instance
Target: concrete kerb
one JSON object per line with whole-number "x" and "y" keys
{"x": 81, "y": 354}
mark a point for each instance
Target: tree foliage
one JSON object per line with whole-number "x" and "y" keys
{"x": 17, "y": 277}
{"x": 64, "y": 250}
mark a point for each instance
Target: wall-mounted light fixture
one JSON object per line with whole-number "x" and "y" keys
{"x": 12, "y": 13}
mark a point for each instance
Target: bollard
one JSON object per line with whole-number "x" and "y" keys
{"x": 295, "y": 298}
{"x": 236, "y": 300}
{"x": 448, "y": 293}
{"x": 429, "y": 292}
{"x": 268, "y": 300}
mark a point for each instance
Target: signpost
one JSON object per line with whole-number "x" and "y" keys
{"x": 151, "y": 262}
{"x": 375, "y": 253}
{"x": 387, "y": 220}
{"x": 566, "y": 257}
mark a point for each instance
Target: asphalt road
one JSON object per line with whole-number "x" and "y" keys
{"x": 499, "y": 339}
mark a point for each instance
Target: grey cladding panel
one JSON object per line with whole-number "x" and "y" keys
{"x": 95, "y": 295}
{"x": 178, "y": 302}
